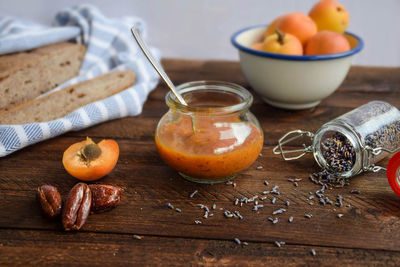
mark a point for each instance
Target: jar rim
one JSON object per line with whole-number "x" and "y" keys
{"x": 351, "y": 136}
{"x": 243, "y": 94}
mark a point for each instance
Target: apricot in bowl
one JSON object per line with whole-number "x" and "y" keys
{"x": 292, "y": 81}
{"x": 280, "y": 43}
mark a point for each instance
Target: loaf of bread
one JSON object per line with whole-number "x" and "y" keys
{"x": 60, "y": 103}
{"x": 26, "y": 75}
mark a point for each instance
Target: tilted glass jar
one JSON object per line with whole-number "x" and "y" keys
{"x": 366, "y": 134}
{"x": 214, "y": 137}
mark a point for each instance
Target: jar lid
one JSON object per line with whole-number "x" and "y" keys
{"x": 393, "y": 172}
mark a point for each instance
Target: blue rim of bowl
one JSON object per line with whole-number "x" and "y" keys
{"x": 243, "y": 48}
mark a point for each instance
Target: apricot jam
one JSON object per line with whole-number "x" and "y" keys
{"x": 213, "y": 138}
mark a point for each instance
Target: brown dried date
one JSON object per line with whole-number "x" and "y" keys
{"x": 104, "y": 197}
{"x": 50, "y": 200}
{"x": 77, "y": 207}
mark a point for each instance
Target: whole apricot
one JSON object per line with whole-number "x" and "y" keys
{"x": 283, "y": 43}
{"x": 272, "y": 26}
{"x": 330, "y": 15}
{"x": 299, "y": 25}
{"x": 327, "y": 42}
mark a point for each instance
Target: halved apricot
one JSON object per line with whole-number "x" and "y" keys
{"x": 88, "y": 161}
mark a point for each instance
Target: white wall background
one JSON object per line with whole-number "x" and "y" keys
{"x": 201, "y": 29}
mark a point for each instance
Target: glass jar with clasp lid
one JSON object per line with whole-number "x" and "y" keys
{"x": 353, "y": 143}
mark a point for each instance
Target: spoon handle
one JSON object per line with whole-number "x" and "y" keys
{"x": 156, "y": 65}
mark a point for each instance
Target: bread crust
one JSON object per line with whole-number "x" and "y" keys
{"x": 62, "y": 102}
{"x": 26, "y": 75}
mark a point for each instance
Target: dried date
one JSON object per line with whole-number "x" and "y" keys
{"x": 50, "y": 200}
{"x": 77, "y": 207}
{"x": 104, "y": 197}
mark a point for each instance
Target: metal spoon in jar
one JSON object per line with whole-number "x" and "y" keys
{"x": 156, "y": 65}
{"x": 160, "y": 70}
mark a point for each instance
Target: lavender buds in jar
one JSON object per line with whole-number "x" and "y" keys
{"x": 351, "y": 143}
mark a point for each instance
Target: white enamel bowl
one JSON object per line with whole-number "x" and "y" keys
{"x": 292, "y": 82}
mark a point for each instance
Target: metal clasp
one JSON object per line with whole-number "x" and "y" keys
{"x": 376, "y": 151}
{"x": 285, "y": 139}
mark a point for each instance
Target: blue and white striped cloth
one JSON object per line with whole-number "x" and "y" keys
{"x": 110, "y": 47}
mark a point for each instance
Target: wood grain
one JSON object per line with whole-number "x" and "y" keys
{"x": 27, "y": 247}
{"x": 368, "y": 233}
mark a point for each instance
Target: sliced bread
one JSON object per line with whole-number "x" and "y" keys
{"x": 66, "y": 100}
{"x": 26, "y": 75}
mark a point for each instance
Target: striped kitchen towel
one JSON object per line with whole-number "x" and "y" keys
{"x": 109, "y": 47}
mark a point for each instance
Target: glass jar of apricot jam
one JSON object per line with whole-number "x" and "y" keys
{"x": 214, "y": 137}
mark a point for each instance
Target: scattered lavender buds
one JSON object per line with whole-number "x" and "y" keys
{"x": 290, "y": 219}
{"x": 354, "y": 191}
{"x": 238, "y": 215}
{"x": 280, "y": 211}
{"x": 273, "y": 201}
{"x": 237, "y": 240}
{"x": 256, "y": 207}
{"x": 266, "y": 182}
{"x": 204, "y": 207}
{"x": 313, "y": 252}
{"x": 228, "y": 214}
{"x": 339, "y": 200}
{"x": 253, "y": 198}
{"x": 178, "y": 210}
{"x": 273, "y": 220}
{"x": 279, "y": 243}
{"x": 169, "y": 205}
{"x": 192, "y": 194}
{"x": 308, "y": 216}
{"x": 214, "y": 206}
{"x": 328, "y": 201}
{"x": 287, "y": 203}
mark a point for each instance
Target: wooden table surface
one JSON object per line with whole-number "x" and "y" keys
{"x": 368, "y": 233}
